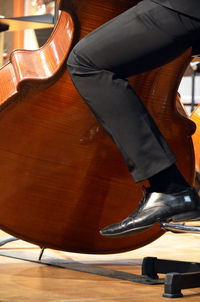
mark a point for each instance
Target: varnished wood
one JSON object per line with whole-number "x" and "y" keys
{"x": 41, "y": 64}
{"x": 195, "y": 117}
{"x": 62, "y": 178}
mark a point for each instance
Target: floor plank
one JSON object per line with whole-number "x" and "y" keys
{"x": 28, "y": 281}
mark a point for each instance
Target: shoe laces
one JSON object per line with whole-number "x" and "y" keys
{"x": 146, "y": 191}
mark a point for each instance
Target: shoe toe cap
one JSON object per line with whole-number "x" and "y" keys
{"x": 116, "y": 228}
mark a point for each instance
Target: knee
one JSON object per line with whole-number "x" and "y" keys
{"x": 71, "y": 63}
{"x": 78, "y": 58}
{"x": 71, "y": 60}
{"x": 75, "y": 67}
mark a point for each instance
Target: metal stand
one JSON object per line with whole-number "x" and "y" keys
{"x": 179, "y": 274}
{"x": 195, "y": 69}
{"x": 7, "y": 239}
{"x": 193, "y": 90}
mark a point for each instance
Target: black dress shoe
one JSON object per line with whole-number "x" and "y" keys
{"x": 155, "y": 207}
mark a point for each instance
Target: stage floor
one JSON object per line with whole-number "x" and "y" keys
{"x": 23, "y": 280}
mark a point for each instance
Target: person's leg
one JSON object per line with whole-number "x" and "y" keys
{"x": 144, "y": 37}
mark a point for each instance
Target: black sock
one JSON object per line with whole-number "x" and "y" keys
{"x": 168, "y": 181}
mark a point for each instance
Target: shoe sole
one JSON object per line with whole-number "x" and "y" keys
{"x": 189, "y": 215}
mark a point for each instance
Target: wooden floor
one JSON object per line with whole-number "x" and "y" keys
{"x": 30, "y": 281}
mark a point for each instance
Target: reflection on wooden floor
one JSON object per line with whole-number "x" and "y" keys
{"x": 31, "y": 281}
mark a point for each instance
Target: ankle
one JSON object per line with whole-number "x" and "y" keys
{"x": 168, "y": 181}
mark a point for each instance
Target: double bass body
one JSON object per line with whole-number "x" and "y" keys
{"x": 62, "y": 178}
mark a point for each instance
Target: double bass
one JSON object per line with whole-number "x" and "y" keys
{"x": 62, "y": 177}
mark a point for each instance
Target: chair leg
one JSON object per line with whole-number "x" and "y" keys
{"x": 179, "y": 274}
{"x": 174, "y": 282}
{"x": 172, "y": 286}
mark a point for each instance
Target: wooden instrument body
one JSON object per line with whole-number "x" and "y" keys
{"x": 62, "y": 178}
{"x": 195, "y": 117}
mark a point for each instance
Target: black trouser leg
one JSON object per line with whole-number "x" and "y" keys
{"x": 142, "y": 38}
